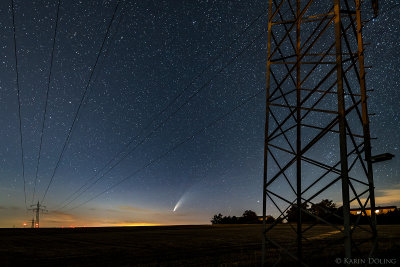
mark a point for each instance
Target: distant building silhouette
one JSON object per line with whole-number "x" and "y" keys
{"x": 378, "y": 210}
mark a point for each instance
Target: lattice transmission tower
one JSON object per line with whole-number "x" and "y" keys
{"x": 317, "y": 137}
{"x": 37, "y": 208}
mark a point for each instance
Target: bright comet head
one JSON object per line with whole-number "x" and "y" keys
{"x": 178, "y": 204}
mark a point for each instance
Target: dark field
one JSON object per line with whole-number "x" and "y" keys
{"x": 223, "y": 245}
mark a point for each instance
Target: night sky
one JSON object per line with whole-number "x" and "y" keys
{"x": 153, "y": 52}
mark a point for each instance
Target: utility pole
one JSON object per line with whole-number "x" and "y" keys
{"x": 317, "y": 136}
{"x": 37, "y": 209}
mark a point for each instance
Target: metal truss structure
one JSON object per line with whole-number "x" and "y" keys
{"x": 317, "y": 137}
{"x": 37, "y": 208}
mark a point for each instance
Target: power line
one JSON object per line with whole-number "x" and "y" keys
{"x": 168, "y": 118}
{"x": 19, "y": 100}
{"x": 172, "y": 114}
{"x": 247, "y": 100}
{"x": 112, "y": 39}
{"x": 81, "y": 102}
{"x": 47, "y": 98}
{"x": 219, "y": 56}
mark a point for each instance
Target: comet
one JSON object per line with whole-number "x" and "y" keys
{"x": 185, "y": 196}
{"x": 180, "y": 201}
{"x": 178, "y": 204}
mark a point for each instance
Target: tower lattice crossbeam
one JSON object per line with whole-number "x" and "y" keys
{"x": 317, "y": 137}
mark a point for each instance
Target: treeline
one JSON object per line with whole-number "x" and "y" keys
{"x": 325, "y": 211}
{"x": 248, "y": 217}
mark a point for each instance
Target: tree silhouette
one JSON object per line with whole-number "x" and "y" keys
{"x": 324, "y": 209}
{"x": 269, "y": 219}
{"x": 292, "y": 213}
{"x": 250, "y": 216}
{"x": 217, "y": 219}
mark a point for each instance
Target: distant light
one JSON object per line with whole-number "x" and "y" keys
{"x": 377, "y": 211}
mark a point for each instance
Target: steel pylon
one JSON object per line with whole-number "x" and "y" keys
{"x": 317, "y": 137}
{"x": 37, "y": 208}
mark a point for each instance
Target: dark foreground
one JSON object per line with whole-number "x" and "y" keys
{"x": 229, "y": 245}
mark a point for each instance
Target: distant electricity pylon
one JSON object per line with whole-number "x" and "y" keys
{"x": 317, "y": 137}
{"x": 37, "y": 208}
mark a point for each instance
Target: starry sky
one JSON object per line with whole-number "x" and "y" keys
{"x": 212, "y": 51}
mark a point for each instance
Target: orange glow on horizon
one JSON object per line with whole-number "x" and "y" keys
{"x": 139, "y": 224}
{"x": 114, "y": 225}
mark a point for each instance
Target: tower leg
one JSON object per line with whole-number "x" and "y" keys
{"x": 342, "y": 133}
